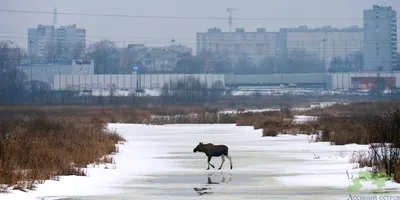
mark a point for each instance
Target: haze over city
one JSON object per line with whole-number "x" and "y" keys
{"x": 156, "y": 31}
{"x": 167, "y": 99}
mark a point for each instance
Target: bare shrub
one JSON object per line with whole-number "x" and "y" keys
{"x": 341, "y": 130}
{"x": 362, "y": 158}
{"x": 269, "y": 132}
{"x": 286, "y": 109}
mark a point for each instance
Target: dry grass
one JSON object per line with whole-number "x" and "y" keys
{"x": 269, "y": 132}
{"x": 362, "y": 159}
{"x": 359, "y": 108}
{"x": 34, "y": 149}
{"x": 396, "y": 176}
{"x": 344, "y": 130}
{"x": 276, "y": 122}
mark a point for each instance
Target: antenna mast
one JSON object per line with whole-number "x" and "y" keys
{"x": 54, "y": 17}
{"x": 230, "y": 10}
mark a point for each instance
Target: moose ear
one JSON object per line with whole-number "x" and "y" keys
{"x": 200, "y": 143}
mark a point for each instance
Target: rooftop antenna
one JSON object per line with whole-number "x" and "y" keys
{"x": 55, "y": 17}
{"x": 230, "y": 10}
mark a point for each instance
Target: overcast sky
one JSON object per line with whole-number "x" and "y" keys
{"x": 161, "y": 31}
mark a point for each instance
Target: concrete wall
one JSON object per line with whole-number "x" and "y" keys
{"x": 126, "y": 81}
{"x": 334, "y": 81}
{"x": 276, "y": 78}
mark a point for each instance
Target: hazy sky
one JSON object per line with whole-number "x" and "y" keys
{"x": 161, "y": 31}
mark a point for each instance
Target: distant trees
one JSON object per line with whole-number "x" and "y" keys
{"x": 14, "y": 84}
{"x": 300, "y": 61}
{"x": 296, "y": 61}
{"x": 100, "y": 52}
{"x": 352, "y": 62}
{"x": 190, "y": 89}
{"x": 57, "y": 51}
{"x": 10, "y": 55}
{"x": 195, "y": 64}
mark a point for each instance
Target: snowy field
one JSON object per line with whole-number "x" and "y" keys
{"x": 237, "y": 92}
{"x": 157, "y": 162}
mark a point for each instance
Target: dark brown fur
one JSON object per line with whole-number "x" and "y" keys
{"x": 212, "y": 150}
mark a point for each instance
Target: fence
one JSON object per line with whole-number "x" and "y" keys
{"x": 127, "y": 81}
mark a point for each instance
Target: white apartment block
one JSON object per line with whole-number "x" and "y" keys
{"x": 38, "y": 38}
{"x": 324, "y": 43}
{"x": 256, "y": 45}
{"x": 70, "y": 41}
{"x": 380, "y": 35}
{"x": 66, "y": 40}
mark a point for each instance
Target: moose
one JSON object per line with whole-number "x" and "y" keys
{"x": 212, "y": 150}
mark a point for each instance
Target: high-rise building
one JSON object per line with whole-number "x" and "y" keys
{"x": 324, "y": 44}
{"x": 380, "y": 38}
{"x": 256, "y": 45}
{"x": 47, "y": 43}
{"x": 71, "y": 42}
{"x": 38, "y": 39}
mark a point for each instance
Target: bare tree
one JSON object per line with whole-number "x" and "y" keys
{"x": 353, "y": 62}
{"x": 10, "y": 55}
{"x": 51, "y": 51}
{"x": 78, "y": 50}
{"x": 99, "y": 52}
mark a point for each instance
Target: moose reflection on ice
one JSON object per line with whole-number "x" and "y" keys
{"x": 207, "y": 190}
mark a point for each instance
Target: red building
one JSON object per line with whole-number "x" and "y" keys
{"x": 367, "y": 83}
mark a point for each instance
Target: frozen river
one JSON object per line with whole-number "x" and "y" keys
{"x": 158, "y": 162}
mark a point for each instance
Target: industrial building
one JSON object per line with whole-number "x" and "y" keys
{"x": 45, "y": 72}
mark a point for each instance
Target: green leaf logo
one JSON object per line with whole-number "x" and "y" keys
{"x": 378, "y": 179}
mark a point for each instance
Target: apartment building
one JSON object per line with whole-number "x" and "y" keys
{"x": 324, "y": 43}
{"x": 380, "y": 35}
{"x": 64, "y": 43}
{"x": 255, "y": 45}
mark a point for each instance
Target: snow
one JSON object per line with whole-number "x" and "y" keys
{"x": 121, "y": 92}
{"x": 312, "y": 106}
{"x": 101, "y": 181}
{"x": 303, "y": 118}
{"x": 326, "y": 164}
{"x": 238, "y": 92}
{"x": 289, "y": 162}
{"x": 293, "y": 91}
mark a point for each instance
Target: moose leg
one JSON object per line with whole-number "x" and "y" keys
{"x": 208, "y": 160}
{"x": 230, "y": 160}
{"x": 222, "y": 163}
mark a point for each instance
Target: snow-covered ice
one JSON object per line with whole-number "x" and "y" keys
{"x": 158, "y": 162}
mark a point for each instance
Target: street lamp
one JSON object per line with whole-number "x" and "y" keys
{"x": 30, "y": 62}
{"x": 324, "y": 58}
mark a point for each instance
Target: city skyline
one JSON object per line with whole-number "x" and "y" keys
{"x": 126, "y": 31}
